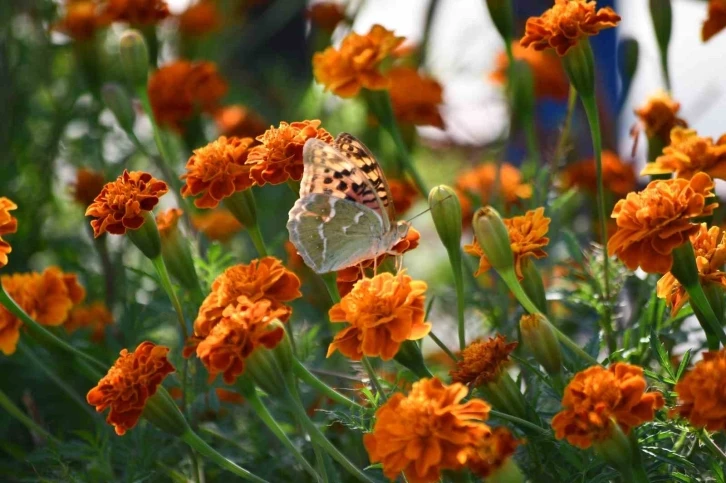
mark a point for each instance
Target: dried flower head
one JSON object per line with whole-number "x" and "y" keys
{"x": 8, "y": 224}
{"x": 326, "y": 15}
{"x": 348, "y": 277}
{"x": 383, "y": 312}
{"x": 264, "y": 279}
{"x": 135, "y": 12}
{"x": 239, "y": 121}
{"x": 279, "y": 157}
{"x": 217, "y": 225}
{"x": 243, "y": 327}
{"x": 133, "y": 378}
{"x": 356, "y": 64}
{"x": 652, "y": 222}
{"x": 416, "y": 98}
{"x": 81, "y": 20}
{"x": 618, "y": 177}
{"x": 688, "y": 154}
{"x": 716, "y": 20}
{"x": 565, "y": 23}
{"x": 492, "y": 451}
{"x": 428, "y": 431}
{"x": 483, "y": 361}
{"x": 527, "y": 235}
{"x": 217, "y": 171}
{"x": 181, "y": 89}
{"x": 550, "y": 79}
{"x": 597, "y": 398}
{"x": 484, "y": 181}
{"x": 121, "y": 203}
{"x": 200, "y": 19}
{"x": 88, "y": 185}
{"x": 710, "y": 248}
{"x": 701, "y": 397}
{"x": 659, "y": 115}
{"x": 94, "y": 316}
{"x": 167, "y": 220}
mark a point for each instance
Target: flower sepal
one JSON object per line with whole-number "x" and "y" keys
{"x": 509, "y": 472}
{"x": 446, "y": 213}
{"x": 146, "y": 237}
{"x": 533, "y": 285}
{"x": 493, "y": 238}
{"x": 409, "y": 356}
{"x": 264, "y": 369}
{"x": 540, "y": 338}
{"x": 119, "y": 103}
{"x": 579, "y": 63}
{"x": 134, "y": 58}
{"x": 616, "y": 449}
{"x": 161, "y": 411}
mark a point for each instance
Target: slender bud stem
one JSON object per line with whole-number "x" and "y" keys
{"x": 201, "y": 446}
{"x": 160, "y": 267}
{"x": 374, "y": 378}
{"x": 310, "y": 379}
{"x": 7, "y": 404}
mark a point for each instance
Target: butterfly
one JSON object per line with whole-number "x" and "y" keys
{"x": 345, "y": 212}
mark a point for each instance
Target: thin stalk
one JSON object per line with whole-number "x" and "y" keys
{"x": 373, "y": 377}
{"x": 593, "y": 118}
{"x": 455, "y": 259}
{"x": 158, "y": 139}
{"x": 201, "y": 446}
{"x": 169, "y": 289}
{"x": 707, "y": 315}
{"x": 708, "y": 442}
{"x": 443, "y": 347}
{"x": 23, "y": 418}
{"x": 310, "y": 379}
{"x": 331, "y": 283}
{"x": 257, "y": 240}
{"x": 196, "y": 475}
{"x": 520, "y": 422}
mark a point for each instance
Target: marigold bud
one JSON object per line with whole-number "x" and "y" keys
{"x": 146, "y": 237}
{"x": 493, "y": 238}
{"x": 502, "y": 17}
{"x": 579, "y": 63}
{"x": 540, "y": 339}
{"x": 446, "y": 213}
{"x": 134, "y": 58}
{"x": 119, "y": 103}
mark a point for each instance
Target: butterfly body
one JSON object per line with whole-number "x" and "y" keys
{"x": 344, "y": 213}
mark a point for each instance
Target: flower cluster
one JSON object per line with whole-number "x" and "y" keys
{"x": 487, "y": 179}
{"x": 618, "y": 177}
{"x": 482, "y": 361}
{"x": 8, "y": 224}
{"x": 701, "y": 397}
{"x": 688, "y": 154}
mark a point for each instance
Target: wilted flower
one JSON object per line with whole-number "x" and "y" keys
{"x": 416, "y": 98}
{"x": 239, "y": 121}
{"x": 200, "y": 19}
{"x": 135, "y": 12}
{"x": 483, "y": 361}
{"x": 279, "y": 157}
{"x": 326, "y": 15}
{"x": 8, "y": 224}
{"x": 527, "y": 235}
{"x": 716, "y": 20}
{"x": 217, "y": 225}
{"x": 404, "y": 193}
{"x": 88, "y": 185}
{"x": 688, "y": 154}
{"x": 180, "y": 89}
{"x": 383, "y": 312}
{"x": 659, "y": 115}
{"x": 710, "y": 249}
{"x": 121, "y": 203}
{"x": 81, "y": 20}
{"x": 618, "y": 177}
{"x": 565, "y": 23}
{"x": 550, "y": 79}
{"x": 94, "y": 316}
{"x": 167, "y": 220}
{"x": 243, "y": 327}
{"x": 700, "y": 392}
{"x": 428, "y": 431}
{"x": 653, "y": 222}
{"x": 356, "y": 64}
{"x": 598, "y": 398}
{"x": 217, "y": 171}
{"x": 484, "y": 181}
{"x": 492, "y": 452}
{"x": 133, "y": 378}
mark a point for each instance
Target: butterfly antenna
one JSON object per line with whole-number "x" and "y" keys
{"x": 427, "y": 210}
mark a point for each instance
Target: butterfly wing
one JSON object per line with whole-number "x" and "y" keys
{"x": 332, "y": 233}
{"x": 359, "y": 154}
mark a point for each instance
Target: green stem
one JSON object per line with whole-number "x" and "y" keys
{"x": 561, "y": 145}
{"x": 718, "y": 452}
{"x": 169, "y": 289}
{"x": 257, "y": 240}
{"x": 443, "y": 347}
{"x": 331, "y": 283}
{"x": 593, "y": 117}
{"x": 373, "y": 377}
{"x": 23, "y": 418}
{"x": 310, "y": 379}
{"x": 455, "y": 260}
{"x": 705, "y": 314}
{"x": 520, "y": 422}
{"x": 195, "y": 466}
{"x": 201, "y": 446}
{"x": 158, "y": 139}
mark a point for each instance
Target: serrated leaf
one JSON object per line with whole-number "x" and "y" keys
{"x": 683, "y": 365}
{"x": 661, "y": 354}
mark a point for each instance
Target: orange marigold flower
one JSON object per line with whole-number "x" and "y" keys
{"x": 688, "y": 154}
{"x": 264, "y": 279}
{"x": 294, "y": 260}
{"x": 550, "y": 79}
{"x": 415, "y": 97}
{"x": 279, "y": 157}
{"x": 9, "y": 331}
{"x": 217, "y": 225}
{"x": 217, "y": 171}
{"x": 483, "y": 361}
{"x": 8, "y": 224}
{"x": 242, "y": 328}
{"x": 135, "y": 12}
{"x": 94, "y": 316}
{"x": 133, "y": 378}
{"x": 355, "y": 65}
{"x": 180, "y": 89}
{"x": 701, "y": 397}
{"x": 710, "y": 248}
{"x": 404, "y": 193}
{"x": 652, "y": 222}
{"x": 428, "y": 431}
{"x": 200, "y": 19}
{"x": 565, "y": 23}
{"x": 81, "y": 20}
{"x": 121, "y": 203}
{"x": 716, "y": 20}
{"x": 618, "y": 177}
{"x": 348, "y": 277}
{"x": 492, "y": 451}
{"x": 527, "y": 235}
{"x": 239, "y": 121}
{"x": 485, "y": 180}
{"x": 659, "y": 115}
{"x": 383, "y": 312}
{"x": 88, "y": 185}
{"x": 167, "y": 220}
{"x": 597, "y": 398}
{"x": 326, "y": 15}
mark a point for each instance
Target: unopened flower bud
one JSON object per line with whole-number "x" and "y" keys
{"x": 283, "y": 349}
{"x": 134, "y": 58}
{"x": 579, "y": 63}
{"x": 119, "y": 103}
{"x": 541, "y": 341}
{"x": 446, "y": 213}
{"x": 146, "y": 237}
{"x": 493, "y": 237}
{"x": 502, "y": 17}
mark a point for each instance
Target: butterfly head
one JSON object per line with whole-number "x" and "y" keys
{"x": 401, "y": 230}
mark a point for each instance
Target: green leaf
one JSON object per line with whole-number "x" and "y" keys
{"x": 683, "y": 365}
{"x": 660, "y": 351}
